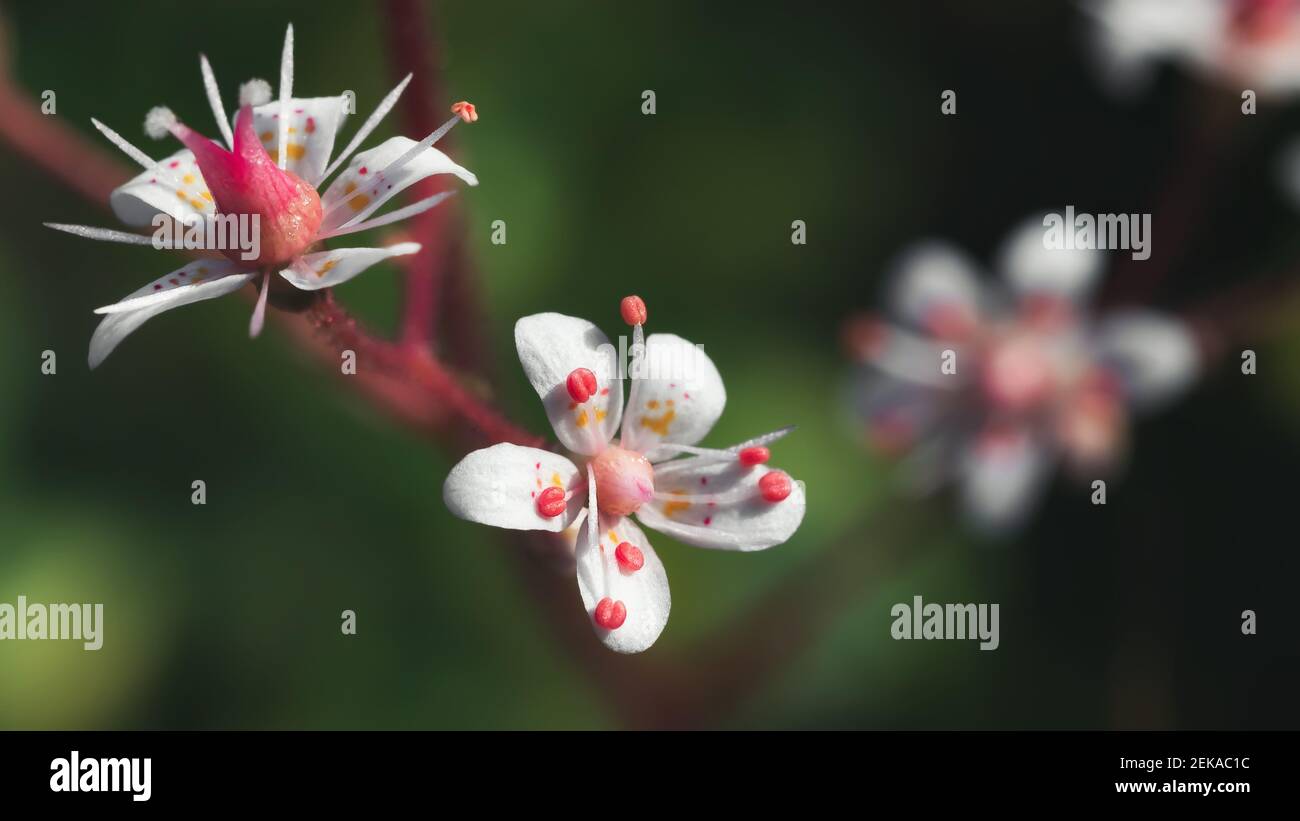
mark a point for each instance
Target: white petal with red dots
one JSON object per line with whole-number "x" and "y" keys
{"x": 500, "y": 486}
{"x": 1156, "y": 357}
{"x": 1002, "y": 476}
{"x": 364, "y": 185}
{"x": 198, "y": 274}
{"x": 313, "y": 124}
{"x": 147, "y": 302}
{"x": 935, "y": 287}
{"x": 1032, "y": 269}
{"x": 707, "y": 503}
{"x": 174, "y": 187}
{"x": 678, "y": 399}
{"x": 551, "y": 346}
{"x": 643, "y": 593}
{"x": 325, "y": 269}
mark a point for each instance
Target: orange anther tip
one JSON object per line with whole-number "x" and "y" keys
{"x": 466, "y": 110}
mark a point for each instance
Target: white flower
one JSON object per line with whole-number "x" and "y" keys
{"x": 725, "y": 499}
{"x": 1245, "y": 44}
{"x": 271, "y": 166}
{"x": 1035, "y": 380}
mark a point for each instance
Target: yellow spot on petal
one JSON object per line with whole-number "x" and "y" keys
{"x": 202, "y": 269}
{"x": 267, "y": 136}
{"x": 660, "y": 425}
{"x": 556, "y": 480}
{"x": 199, "y": 205}
{"x": 670, "y": 403}
{"x": 180, "y": 195}
{"x": 350, "y": 187}
{"x": 326, "y": 268}
{"x": 673, "y": 508}
{"x": 188, "y": 179}
{"x": 613, "y": 537}
{"x": 582, "y": 419}
{"x": 293, "y": 130}
{"x": 652, "y": 404}
{"x": 296, "y": 151}
{"x": 207, "y": 196}
{"x": 600, "y": 415}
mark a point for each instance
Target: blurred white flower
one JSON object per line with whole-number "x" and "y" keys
{"x": 1244, "y": 44}
{"x": 1036, "y": 380}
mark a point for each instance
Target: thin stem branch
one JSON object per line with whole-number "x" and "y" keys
{"x": 416, "y": 51}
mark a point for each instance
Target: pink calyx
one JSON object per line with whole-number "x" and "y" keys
{"x": 248, "y": 181}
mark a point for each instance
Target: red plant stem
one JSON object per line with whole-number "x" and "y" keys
{"x": 415, "y": 50}
{"x": 64, "y": 153}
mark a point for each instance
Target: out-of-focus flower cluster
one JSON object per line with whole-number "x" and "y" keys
{"x": 989, "y": 386}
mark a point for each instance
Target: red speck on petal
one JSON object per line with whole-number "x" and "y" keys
{"x": 157, "y": 287}
{"x": 708, "y": 520}
{"x": 364, "y": 170}
{"x": 633, "y": 310}
{"x": 173, "y": 163}
{"x": 775, "y": 486}
{"x": 610, "y": 614}
{"x": 629, "y": 556}
{"x": 174, "y": 281}
{"x": 754, "y": 456}
{"x": 581, "y": 384}
{"x": 704, "y": 480}
{"x": 551, "y": 502}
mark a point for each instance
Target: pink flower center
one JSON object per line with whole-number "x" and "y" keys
{"x": 1258, "y": 20}
{"x": 625, "y": 480}
{"x": 1017, "y": 375}
{"x": 248, "y": 181}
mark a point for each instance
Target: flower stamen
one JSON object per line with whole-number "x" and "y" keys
{"x": 551, "y": 502}
{"x": 610, "y": 614}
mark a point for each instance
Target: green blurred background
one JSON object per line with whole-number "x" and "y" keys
{"x": 227, "y": 615}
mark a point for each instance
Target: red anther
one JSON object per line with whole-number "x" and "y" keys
{"x": 610, "y": 614}
{"x": 551, "y": 503}
{"x": 581, "y": 384}
{"x": 466, "y": 110}
{"x": 775, "y": 486}
{"x": 629, "y": 556}
{"x": 633, "y": 310}
{"x": 754, "y": 456}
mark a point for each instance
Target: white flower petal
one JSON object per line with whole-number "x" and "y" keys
{"x": 1030, "y": 268}
{"x": 1156, "y": 357}
{"x": 325, "y": 269}
{"x": 643, "y": 592}
{"x": 174, "y": 187}
{"x": 314, "y": 122}
{"x": 551, "y": 346}
{"x": 933, "y": 279}
{"x": 1002, "y": 477}
{"x": 710, "y": 503}
{"x": 498, "y": 486}
{"x": 354, "y": 195}
{"x": 678, "y": 399}
{"x": 181, "y": 287}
